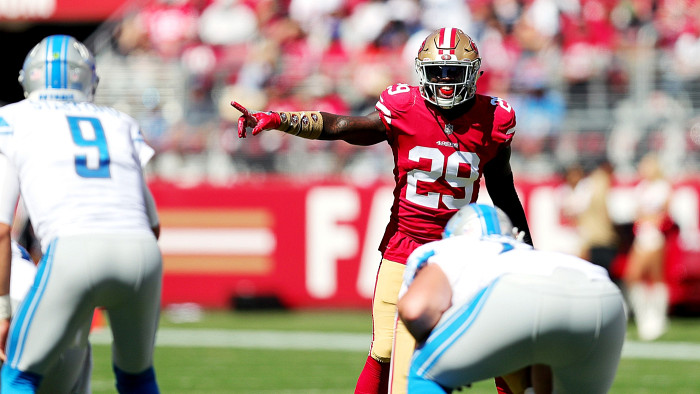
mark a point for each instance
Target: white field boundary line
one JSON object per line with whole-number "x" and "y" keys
{"x": 309, "y": 340}
{"x": 250, "y": 339}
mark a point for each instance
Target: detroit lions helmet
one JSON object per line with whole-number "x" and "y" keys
{"x": 448, "y": 65}
{"x": 59, "y": 68}
{"x": 478, "y": 220}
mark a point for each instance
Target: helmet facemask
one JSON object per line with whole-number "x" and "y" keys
{"x": 448, "y": 65}
{"x": 448, "y": 83}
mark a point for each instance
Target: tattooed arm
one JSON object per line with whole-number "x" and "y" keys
{"x": 356, "y": 130}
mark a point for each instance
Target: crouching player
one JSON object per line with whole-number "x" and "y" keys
{"x": 78, "y": 167}
{"x": 565, "y": 317}
{"x": 72, "y": 372}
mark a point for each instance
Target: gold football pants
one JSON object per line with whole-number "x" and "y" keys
{"x": 386, "y": 346}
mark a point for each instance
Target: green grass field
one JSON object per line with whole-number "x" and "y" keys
{"x": 222, "y": 353}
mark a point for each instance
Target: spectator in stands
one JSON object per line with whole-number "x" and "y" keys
{"x": 542, "y": 111}
{"x": 279, "y": 43}
{"x": 170, "y": 25}
{"x": 599, "y": 239}
{"x": 568, "y": 206}
{"x": 644, "y": 274}
{"x": 227, "y": 22}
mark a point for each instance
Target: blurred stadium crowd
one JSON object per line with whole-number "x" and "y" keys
{"x": 590, "y": 80}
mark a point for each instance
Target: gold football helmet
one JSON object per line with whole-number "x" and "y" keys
{"x": 448, "y": 67}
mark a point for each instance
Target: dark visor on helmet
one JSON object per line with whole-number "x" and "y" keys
{"x": 452, "y": 73}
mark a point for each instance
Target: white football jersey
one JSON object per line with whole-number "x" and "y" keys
{"x": 472, "y": 264}
{"x": 79, "y": 166}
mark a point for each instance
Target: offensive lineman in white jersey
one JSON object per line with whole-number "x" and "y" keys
{"x": 71, "y": 374}
{"x": 565, "y": 316}
{"x": 23, "y": 273}
{"x": 78, "y": 168}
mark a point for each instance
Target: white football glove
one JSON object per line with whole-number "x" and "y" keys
{"x": 518, "y": 235}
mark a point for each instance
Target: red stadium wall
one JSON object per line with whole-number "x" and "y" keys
{"x": 314, "y": 244}
{"x": 63, "y": 10}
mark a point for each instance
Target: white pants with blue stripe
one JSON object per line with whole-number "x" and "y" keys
{"x": 574, "y": 325}
{"x": 119, "y": 272}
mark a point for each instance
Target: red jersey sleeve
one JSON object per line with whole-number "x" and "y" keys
{"x": 503, "y": 121}
{"x": 394, "y": 102}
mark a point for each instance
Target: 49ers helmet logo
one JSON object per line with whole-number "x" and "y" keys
{"x": 472, "y": 44}
{"x": 422, "y": 46}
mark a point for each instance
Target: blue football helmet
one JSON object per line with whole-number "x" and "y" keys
{"x": 478, "y": 220}
{"x": 59, "y": 68}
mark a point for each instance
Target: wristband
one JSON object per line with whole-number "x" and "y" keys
{"x": 307, "y": 124}
{"x": 5, "y": 307}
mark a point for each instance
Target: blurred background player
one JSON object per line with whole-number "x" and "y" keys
{"x": 78, "y": 169}
{"x": 72, "y": 373}
{"x": 643, "y": 276}
{"x": 444, "y": 137}
{"x": 563, "y": 312}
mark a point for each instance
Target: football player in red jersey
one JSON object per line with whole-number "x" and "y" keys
{"x": 444, "y": 138}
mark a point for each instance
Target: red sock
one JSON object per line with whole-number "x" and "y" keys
{"x": 502, "y": 386}
{"x": 374, "y": 378}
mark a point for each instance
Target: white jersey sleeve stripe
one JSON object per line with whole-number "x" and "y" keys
{"x": 385, "y": 111}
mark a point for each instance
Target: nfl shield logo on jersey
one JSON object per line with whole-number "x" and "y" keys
{"x": 449, "y": 129}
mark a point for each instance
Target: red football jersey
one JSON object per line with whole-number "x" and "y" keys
{"x": 438, "y": 163}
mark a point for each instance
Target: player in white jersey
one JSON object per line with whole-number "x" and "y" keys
{"x": 71, "y": 374}
{"x": 78, "y": 169}
{"x": 23, "y": 273}
{"x": 566, "y": 317}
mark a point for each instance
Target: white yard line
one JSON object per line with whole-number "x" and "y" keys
{"x": 662, "y": 350}
{"x": 308, "y": 340}
{"x": 285, "y": 340}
